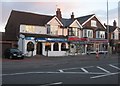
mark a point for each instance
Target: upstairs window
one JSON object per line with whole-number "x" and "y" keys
{"x": 88, "y": 33}
{"x": 85, "y": 33}
{"x": 100, "y": 34}
{"x": 93, "y": 23}
{"x": 48, "y": 29}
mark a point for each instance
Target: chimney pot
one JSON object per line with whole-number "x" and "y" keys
{"x": 72, "y": 16}
{"x": 58, "y": 13}
{"x": 114, "y": 23}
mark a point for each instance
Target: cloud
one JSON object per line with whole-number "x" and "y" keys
{"x": 102, "y": 14}
{"x": 79, "y": 7}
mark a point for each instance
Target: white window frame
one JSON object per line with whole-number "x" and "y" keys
{"x": 100, "y": 33}
{"x": 88, "y": 31}
{"x": 93, "y": 23}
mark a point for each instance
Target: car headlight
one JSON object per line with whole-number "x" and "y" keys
{"x": 14, "y": 54}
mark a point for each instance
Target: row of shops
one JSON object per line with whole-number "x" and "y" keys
{"x": 60, "y": 46}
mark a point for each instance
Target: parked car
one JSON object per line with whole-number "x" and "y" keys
{"x": 13, "y": 53}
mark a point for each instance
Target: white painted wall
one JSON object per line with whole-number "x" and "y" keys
{"x": 33, "y": 29}
{"x": 25, "y": 48}
{"x": 57, "y": 53}
{"x": 54, "y": 53}
{"x": 65, "y": 32}
{"x": 22, "y": 46}
{"x": 116, "y": 34}
{"x": 75, "y": 24}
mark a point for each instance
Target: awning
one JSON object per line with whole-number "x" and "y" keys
{"x": 97, "y": 40}
{"x": 73, "y": 39}
{"x": 77, "y": 39}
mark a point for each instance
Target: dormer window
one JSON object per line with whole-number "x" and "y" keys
{"x": 93, "y": 23}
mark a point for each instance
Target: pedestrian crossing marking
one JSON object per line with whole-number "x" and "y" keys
{"x": 61, "y": 70}
{"x": 103, "y": 69}
{"x": 114, "y": 66}
{"x": 83, "y": 69}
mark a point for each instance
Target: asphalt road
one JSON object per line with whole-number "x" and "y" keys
{"x": 44, "y": 71}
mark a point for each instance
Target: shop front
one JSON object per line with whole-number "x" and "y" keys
{"x": 53, "y": 46}
{"x": 36, "y": 45}
{"x": 77, "y": 45}
{"x": 97, "y": 44}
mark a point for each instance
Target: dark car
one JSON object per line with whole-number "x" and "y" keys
{"x": 13, "y": 53}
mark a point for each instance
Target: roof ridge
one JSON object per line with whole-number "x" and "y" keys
{"x": 31, "y": 13}
{"x": 86, "y": 15}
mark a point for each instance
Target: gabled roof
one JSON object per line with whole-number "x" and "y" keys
{"x": 29, "y": 18}
{"x": 111, "y": 28}
{"x": 17, "y": 17}
{"x": 83, "y": 19}
{"x": 67, "y": 22}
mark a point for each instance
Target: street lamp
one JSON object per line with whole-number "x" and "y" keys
{"x": 108, "y": 28}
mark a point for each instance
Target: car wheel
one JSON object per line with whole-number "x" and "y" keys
{"x": 22, "y": 57}
{"x": 10, "y": 57}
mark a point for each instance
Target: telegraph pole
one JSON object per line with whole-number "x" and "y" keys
{"x": 108, "y": 48}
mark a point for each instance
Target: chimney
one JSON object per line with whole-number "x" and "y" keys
{"x": 114, "y": 23}
{"x": 72, "y": 16}
{"x": 58, "y": 13}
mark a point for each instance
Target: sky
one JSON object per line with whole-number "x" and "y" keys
{"x": 48, "y": 7}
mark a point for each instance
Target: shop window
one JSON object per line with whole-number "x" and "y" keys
{"x": 47, "y": 46}
{"x": 30, "y": 46}
{"x": 55, "y": 47}
{"x": 63, "y": 47}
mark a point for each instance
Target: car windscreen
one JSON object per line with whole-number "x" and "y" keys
{"x": 14, "y": 50}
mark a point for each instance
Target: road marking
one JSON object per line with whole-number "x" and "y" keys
{"x": 103, "y": 69}
{"x": 83, "y": 69}
{"x": 61, "y": 70}
{"x": 76, "y": 68}
{"x": 57, "y": 83}
{"x": 24, "y": 73}
{"x": 104, "y": 75}
{"x": 114, "y": 66}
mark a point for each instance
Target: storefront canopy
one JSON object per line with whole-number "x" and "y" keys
{"x": 97, "y": 40}
{"x": 77, "y": 39}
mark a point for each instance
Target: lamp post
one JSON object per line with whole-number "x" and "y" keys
{"x": 108, "y": 28}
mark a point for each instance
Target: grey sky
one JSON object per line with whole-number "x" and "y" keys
{"x": 80, "y": 8}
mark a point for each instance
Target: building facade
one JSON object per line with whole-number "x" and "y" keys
{"x": 47, "y": 35}
{"x": 114, "y": 37}
{"x": 41, "y": 35}
{"x": 94, "y": 32}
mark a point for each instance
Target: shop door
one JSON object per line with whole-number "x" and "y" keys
{"x": 39, "y": 48}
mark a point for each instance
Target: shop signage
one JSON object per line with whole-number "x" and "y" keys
{"x": 40, "y": 39}
{"x": 51, "y": 39}
{"x": 56, "y": 40}
{"x": 77, "y": 39}
{"x": 29, "y": 38}
{"x": 98, "y": 40}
